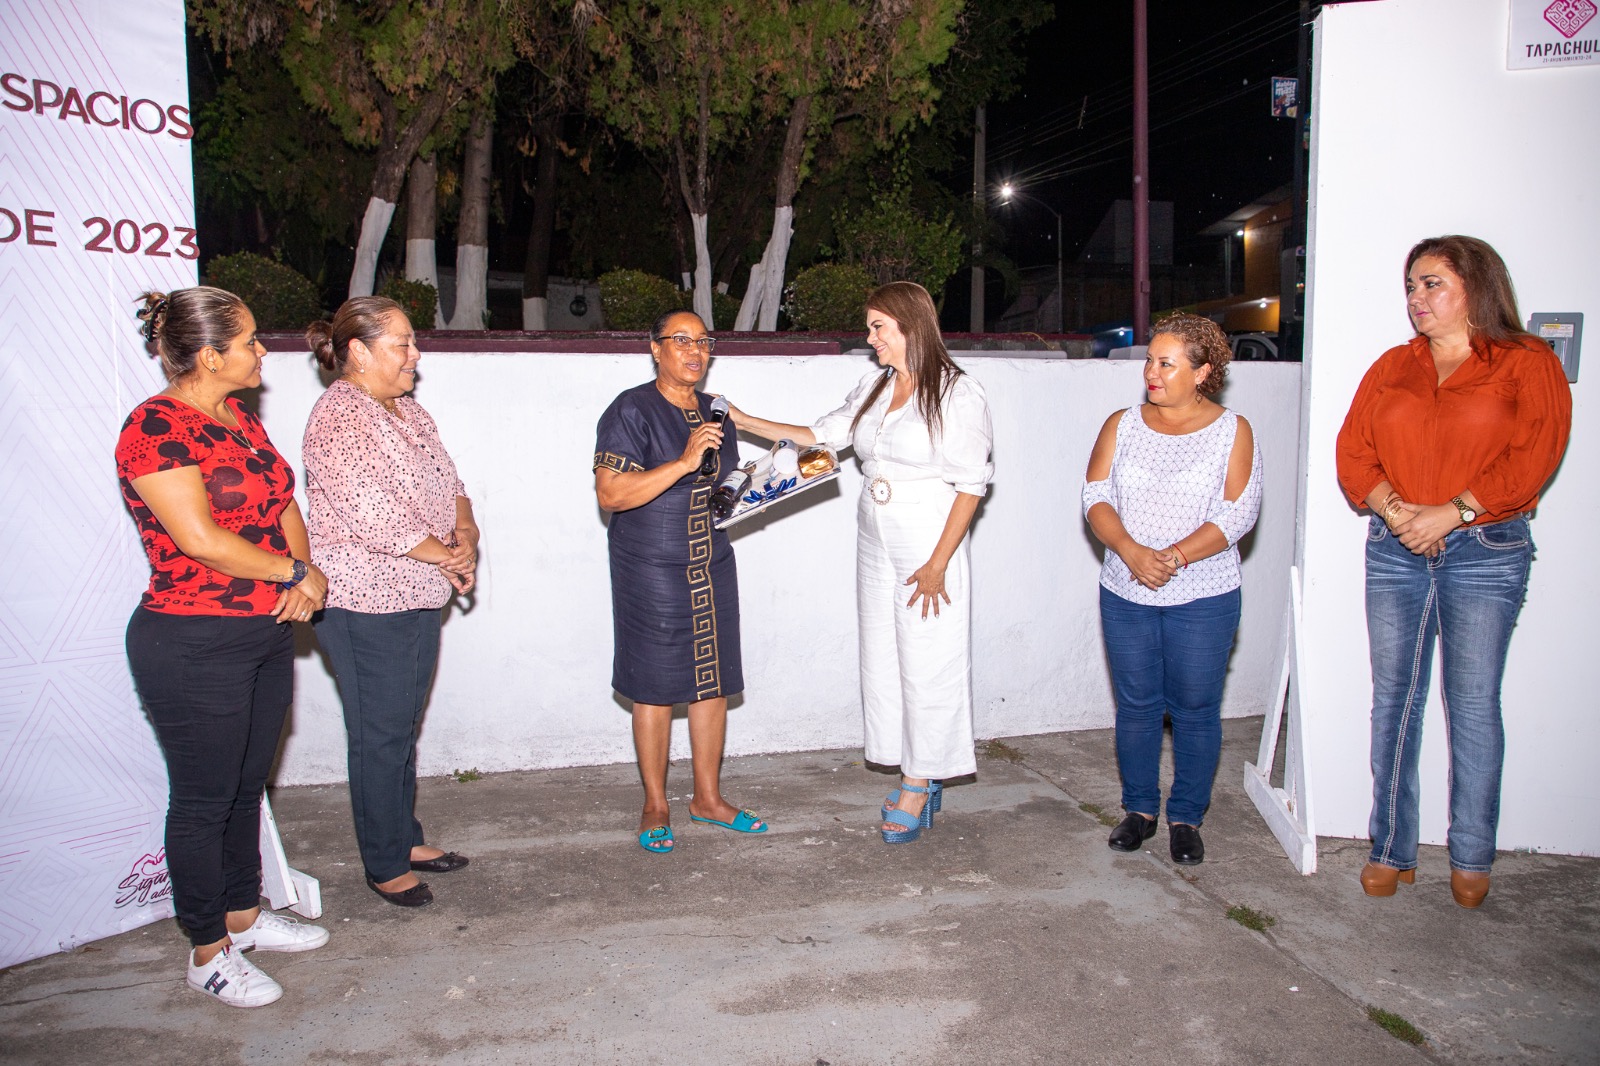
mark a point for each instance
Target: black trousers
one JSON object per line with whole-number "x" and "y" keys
{"x": 217, "y": 690}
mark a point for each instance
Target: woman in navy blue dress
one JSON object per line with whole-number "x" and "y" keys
{"x": 674, "y": 587}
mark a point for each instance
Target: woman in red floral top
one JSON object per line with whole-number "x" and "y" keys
{"x": 214, "y": 666}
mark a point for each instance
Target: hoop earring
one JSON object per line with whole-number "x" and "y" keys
{"x": 1470, "y": 324}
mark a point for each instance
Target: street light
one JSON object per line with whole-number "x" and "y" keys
{"x": 1009, "y": 193}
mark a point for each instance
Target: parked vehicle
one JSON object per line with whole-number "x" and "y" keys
{"x": 1254, "y": 347}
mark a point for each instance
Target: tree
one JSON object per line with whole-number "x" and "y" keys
{"x": 286, "y": 185}
{"x": 385, "y": 73}
{"x": 550, "y": 38}
{"x": 422, "y": 225}
{"x": 472, "y": 230}
{"x": 676, "y": 78}
{"x": 830, "y": 62}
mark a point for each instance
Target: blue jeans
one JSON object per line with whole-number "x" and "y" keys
{"x": 1468, "y": 597}
{"x": 1169, "y": 661}
{"x": 384, "y": 664}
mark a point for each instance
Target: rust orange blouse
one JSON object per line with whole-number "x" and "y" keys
{"x": 1497, "y": 426}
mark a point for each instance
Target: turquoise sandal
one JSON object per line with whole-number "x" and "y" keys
{"x": 929, "y": 809}
{"x": 912, "y": 827}
{"x": 743, "y": 822}
{"x": 657, "y": 841}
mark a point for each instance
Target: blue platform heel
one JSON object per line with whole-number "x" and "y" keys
{"x": 934, "y": 805}
{"x": 911, "y": 825}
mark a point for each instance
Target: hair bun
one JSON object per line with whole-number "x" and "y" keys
{"x": 153, "y": 314}
{"x": 319, "y": 336}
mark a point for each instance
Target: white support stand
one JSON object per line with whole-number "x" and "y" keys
{"x": 284, "y": 886}
{"x": 1287, "y": 810}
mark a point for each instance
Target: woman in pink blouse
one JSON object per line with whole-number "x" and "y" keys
{"x": 392, "y": 527}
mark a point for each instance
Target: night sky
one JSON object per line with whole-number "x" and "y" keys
{"x": 1214, "y": 145}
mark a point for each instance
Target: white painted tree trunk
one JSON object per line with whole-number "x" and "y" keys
{"x": 702, "y": 270}
{"x": 750, "y": 306}
{"x": 472, "y": 288}
{"x": 776, "y": 260}
{"x": 374, "y": 225}
{"x": 422, "y": 264}
{"x": 535, "y": 313}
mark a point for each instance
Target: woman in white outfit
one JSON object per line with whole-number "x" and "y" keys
{"x": 920, "y": 428}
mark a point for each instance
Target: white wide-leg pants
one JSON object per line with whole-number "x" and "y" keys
{"x": 916, "y": 673}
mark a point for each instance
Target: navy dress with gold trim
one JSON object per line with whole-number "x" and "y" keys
{"x": 674, "y": 587}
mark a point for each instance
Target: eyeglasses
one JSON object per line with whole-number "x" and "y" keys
{"x": 684, "y": 342}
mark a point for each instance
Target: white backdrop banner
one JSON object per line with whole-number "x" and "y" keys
{"x": 96, "y": 206}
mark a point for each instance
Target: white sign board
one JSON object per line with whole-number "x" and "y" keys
{"x": 1550, "y": 33}
{"x": 96, "y": 206}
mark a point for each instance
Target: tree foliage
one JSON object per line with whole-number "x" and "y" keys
{"x": 418, "y": 299}
{"x": 257, "y": 152}
{"x": 633, "y": 300}
{"x": 828, "y": 296}
{"x": 893, "y": 239}
{"x": 278, "y": 295}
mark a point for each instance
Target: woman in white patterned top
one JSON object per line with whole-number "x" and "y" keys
{"x": 1172, "y": 485}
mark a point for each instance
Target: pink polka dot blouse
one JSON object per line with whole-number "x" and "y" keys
{"x": 377, "y": 484}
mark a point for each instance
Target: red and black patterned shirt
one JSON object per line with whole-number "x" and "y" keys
{"x": 248, "y": 489}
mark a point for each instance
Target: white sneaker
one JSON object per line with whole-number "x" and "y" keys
{"x": 231, "y": 979}
{"x": 274, "y": 932}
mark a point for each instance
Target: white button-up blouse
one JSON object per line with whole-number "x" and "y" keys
{"x": 895, "y": 445}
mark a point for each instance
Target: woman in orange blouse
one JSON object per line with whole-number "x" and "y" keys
{"x": 1448, "y": 442}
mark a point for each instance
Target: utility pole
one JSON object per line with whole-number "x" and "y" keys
{"x": 980, "y": 136}
{"x": 1141, "y": 175}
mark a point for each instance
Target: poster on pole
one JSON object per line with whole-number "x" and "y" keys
{"x": 96, "y": 206}
{"x": 1553, "y": 33}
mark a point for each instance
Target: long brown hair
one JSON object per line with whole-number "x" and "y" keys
{"x": 1491, "y": 301}
{"x": 928, "y": 362}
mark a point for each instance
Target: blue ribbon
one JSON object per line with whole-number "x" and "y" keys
{"x": 771, "y": 492}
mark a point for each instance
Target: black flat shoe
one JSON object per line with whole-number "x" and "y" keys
{"x": 1187, "y": 847}
{"x": 1131, "y": 832}
{"x": 442, "y": 865}
{"x": 418, "y": 895}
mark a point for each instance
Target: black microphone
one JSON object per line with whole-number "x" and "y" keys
{"x": 719, "y": 410}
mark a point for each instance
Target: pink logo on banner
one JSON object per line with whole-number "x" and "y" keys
{"x": 146, "y": 883}
{"x": 1569, "y": 16}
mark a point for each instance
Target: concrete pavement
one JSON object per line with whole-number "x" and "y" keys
{"x": 1009, "y": 933}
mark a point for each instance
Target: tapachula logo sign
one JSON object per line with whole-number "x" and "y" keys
{"x": 1569, "y": 16}
{"x": 45, "y": 98}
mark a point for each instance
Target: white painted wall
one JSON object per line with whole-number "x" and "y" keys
{"x": 524, "y": 679}
{"x": 1419, "y": 130}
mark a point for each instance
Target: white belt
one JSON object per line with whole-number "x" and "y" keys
{"x": 882, "y": 490}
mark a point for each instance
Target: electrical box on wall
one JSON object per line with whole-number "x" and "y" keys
{"x": 1562, "y": 331}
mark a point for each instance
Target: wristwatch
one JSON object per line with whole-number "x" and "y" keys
{"x": 1467, "y": 513}
{"x": 296, "y": 575}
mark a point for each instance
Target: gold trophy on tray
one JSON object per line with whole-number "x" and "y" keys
{"x": 786, "y": 470}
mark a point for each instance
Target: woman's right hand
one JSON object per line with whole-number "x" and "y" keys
{"x": 706, "y": 435}
{"x": 1149, "y": 567}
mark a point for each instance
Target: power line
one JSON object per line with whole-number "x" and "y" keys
{"x": 1072, "y": 117}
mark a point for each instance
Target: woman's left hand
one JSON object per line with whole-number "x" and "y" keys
{"x": 929, "y": 582}
{"x": 298, "y": 604}
{"x": 1426, "y": 528}
{"x": 462, "y": 565}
